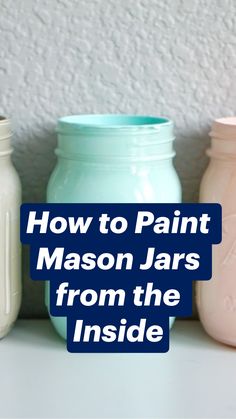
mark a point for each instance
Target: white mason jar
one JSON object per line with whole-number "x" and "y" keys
{"x": 10, "y": 255}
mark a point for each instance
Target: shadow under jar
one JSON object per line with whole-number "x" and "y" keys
{"x": 113, "y": 159}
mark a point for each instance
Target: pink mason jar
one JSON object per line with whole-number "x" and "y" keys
{"x": 216, "y": 298}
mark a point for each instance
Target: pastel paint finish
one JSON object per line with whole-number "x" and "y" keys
{"x": 10, "y": 255}
{"x": 216, "y": 299}
{"x": 113, "y": 159}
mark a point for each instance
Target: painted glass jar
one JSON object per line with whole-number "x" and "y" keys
{"x": 10, "y": 255}
{"x": 113, "y": 159}
{"x": 216, "y": 299}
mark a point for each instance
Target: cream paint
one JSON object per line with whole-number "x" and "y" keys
{"x": 216, "y": 299}
{"x": 10, "y": 255}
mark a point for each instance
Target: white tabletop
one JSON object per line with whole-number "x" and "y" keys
{"x": 40, "y": 379}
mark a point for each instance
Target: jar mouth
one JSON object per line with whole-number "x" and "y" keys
{"x": 3, "y": 120}
{"x": 115, "y": 137}
{"x": 224, "y": 128}
{"x": 5, "y": 129}
{"x": 230, "y": 120}
{"x": 104, "y": 122}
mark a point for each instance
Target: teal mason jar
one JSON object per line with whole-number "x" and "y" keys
{"x": 113, "y": 159}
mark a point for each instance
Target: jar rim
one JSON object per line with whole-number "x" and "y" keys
{"x": 113, "y": 121}
{"x": 3, "y": 120}
{"x": 228, "y": 120}
{"x": 115, "y": 136}
{"x": 224, "y": 128}
{"x": 5, "y": 128}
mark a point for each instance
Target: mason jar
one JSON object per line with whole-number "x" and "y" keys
{"x": 216, "y": 298}
{"x": 113, "y": 159}
{"x": 10, "y": 255}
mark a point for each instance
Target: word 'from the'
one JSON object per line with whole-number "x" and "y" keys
{"x": 142, "y": 296}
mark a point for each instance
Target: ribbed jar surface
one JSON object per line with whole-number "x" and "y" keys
{"x": 10, "y": 255}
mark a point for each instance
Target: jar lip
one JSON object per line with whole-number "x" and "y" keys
{"x": 113, "y": 121}
{"x": 229, "y": 120}
{"x": 5, "y": 128}
{"x": 224, "y": 128}
{"x": 4, "y": 120}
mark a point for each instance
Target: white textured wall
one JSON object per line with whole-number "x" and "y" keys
{"x": 170, "y": 57}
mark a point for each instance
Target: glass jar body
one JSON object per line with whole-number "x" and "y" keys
{"x": 76, "y": 182}
{"x": 113, "y": 159}
{"x": 10, "y": 255}
{"x": 216, "y": 298}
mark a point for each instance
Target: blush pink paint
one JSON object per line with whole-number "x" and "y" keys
{"x": 216, "y": 299}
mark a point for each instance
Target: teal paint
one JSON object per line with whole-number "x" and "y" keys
{"x": 113, "y": 158}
